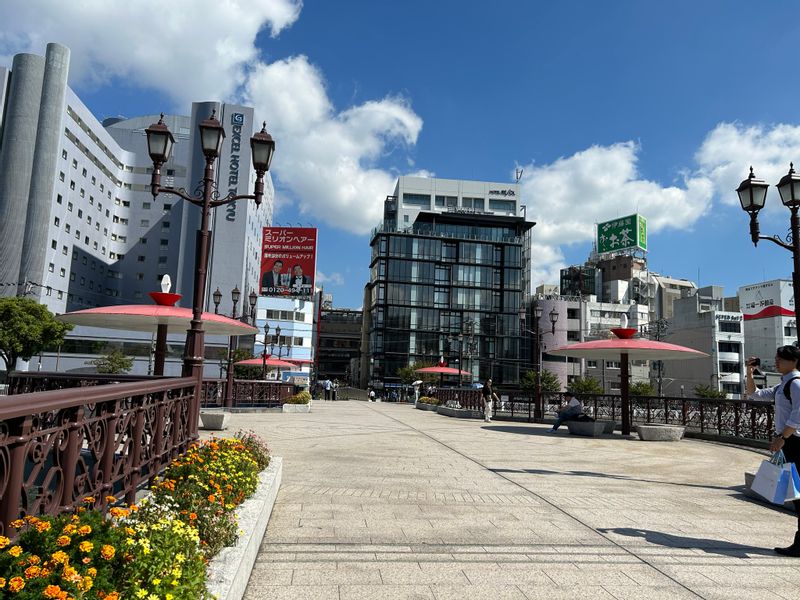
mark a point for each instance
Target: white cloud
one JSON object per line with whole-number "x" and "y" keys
{"x": 188, "y": 49}
{"x": 333, "y": 278}
{"x": 569, "y": 196}
{"x": 327, "y": 160}
{"x": 730, "y": 149}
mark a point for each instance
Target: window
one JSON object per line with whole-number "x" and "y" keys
{"x": 54, "y": 244}
{"x": 421, "y": 200}
{"x": 728, "y": 347}
{"x": 66, "y": 227}
{"x": 164, "y": 242}
{"x": 788, "y": 331}
{"x": 146, "y": 205}
{"x": 167, "y": 207}
{"x": 165, "y": 226}
{"x": 69, "y": 206}
{"x": 502, "y": 205}
{"x": 140, "y": 276}
{"x": 730, "y": 326}
{"x": 56, "y": 221}
{"x": 84, "y": 173}
{"x": 300, "y": 317}
{"x": 63, "y": 272}
{"x": 298, "y": 341}
{"x": 573, "y": 313}
{"x": 64, "y": 154}
{"x": 80, "y": 213}
{"x": 93, "y": 180}
{"x": 140, "y": 258}
{"x": 143, "y": 240}
{"x": 72, "y": 276}
{"x": 473, "y": 203}
{"x": 573, "y": 336}
{"x": 86, "y": 240}
{"x": 72, "y": 185}
{"x": 83, "y": 281}
{"x": 60, "y": 199}
{"x": 122, "y": 238}
{"x": 125, "y": 203}
{"x": 162, "y": 260}
{"x": 64, "y": 250}
{"x": 591, "y": 364}
{"x": 612, "y": 364}
{"x": 51, "y": 267}
{"x": 91, "y": 200}
{"x": 144, "y": 223}
{"x": 444, "y": 201}
{"x": 74, "y": 163}
{"x": 61, "y": 294}
{"x": 61, "y": 176}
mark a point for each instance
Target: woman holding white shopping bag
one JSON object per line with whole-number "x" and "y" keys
{"x": 787, "y": 417}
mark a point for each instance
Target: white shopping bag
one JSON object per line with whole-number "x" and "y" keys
{"x": 792, "y": 482}
{"x": 772, "y": 479}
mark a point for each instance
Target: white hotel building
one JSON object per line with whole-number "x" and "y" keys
{"x": 79, "y": 226}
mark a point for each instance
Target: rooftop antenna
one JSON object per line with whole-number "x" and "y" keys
{"x": 517, "y": 174}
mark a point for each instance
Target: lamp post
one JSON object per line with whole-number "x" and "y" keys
{"x": 538, "y": 334}
{"x": 264, "y": 353}
{"x": 235, "y": 296}
{"x": 753, "y": 195}
{"x": 159, "y": 145}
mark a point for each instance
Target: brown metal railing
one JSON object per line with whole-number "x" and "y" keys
{"x": 25, "y": 382}
{"x": 59, "y": 446}
{"x": 246, "y": 393}
{"x": 729, "y": 420}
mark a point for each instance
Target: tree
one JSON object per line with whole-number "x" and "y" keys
{"x": 585, "y": 385}
{"x": 27, "y": 328}
{"x": 114, "y": 363}
{"x": 642, "y": 388}
{"x": 408, "y": 375}
{"x": 242, "y": 371}
{"x": 550, "y": 381}
{"x": 706, "y": 391}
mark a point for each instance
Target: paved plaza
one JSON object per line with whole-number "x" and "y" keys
{"x": 384, "y": 501}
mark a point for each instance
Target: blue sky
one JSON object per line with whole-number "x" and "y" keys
{"x": 607, "y": 106}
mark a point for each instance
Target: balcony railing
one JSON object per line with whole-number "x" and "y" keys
{"x": 246, "y": 393}
{"x": 727, "y": 420}
{"x": 59, "y": 446}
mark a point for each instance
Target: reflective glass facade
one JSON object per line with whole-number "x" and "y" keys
{"x": 452, "y": 285}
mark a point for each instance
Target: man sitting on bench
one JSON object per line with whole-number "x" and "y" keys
{"x": 572, "y": 409}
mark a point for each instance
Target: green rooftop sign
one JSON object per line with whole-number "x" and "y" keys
{"x": 624, "y": 233}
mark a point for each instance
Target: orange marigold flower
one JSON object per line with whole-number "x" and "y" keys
{"x": 16, "y": 584}
{"x": 15, "y": 551}
{"x": 17, "y": 523}
{"x": 63, "y": 540}
{"x": 85, "y": 584}
{"x": 2, "y": 582}
{"x": 119, "y": 512}
{"x": 107, "y": 552}
{"x": 84, "y": 530}
{"x": 52, "y": 591}
{"x": 86, "y": 546}
{"x": 42, "y": 526}
{"x": 212, "y": 498}
{"x": 112, "y": 596}
{"x": 192, "y": 516}
{"x": 133, "y": 507}
{"x": 32, "y": 571}
{"x": 69, "y": 529}
{"x": 4, "y": 541}
{"x": 110, "y": 499}
{"x": 91, "y": 571}
{"x": 60, "y": 557}
{"x": 34, "y": 560}
{"x": 89, "y": 500}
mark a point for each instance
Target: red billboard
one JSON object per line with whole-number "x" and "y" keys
{"x": 288, "y": 261}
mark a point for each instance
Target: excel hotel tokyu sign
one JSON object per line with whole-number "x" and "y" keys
{"x": 288, "y": 261}
{"x": 624, "y": 233}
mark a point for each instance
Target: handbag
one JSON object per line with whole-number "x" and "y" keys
{"x": 772, "y": 479}
{"x": 793, "y": 482}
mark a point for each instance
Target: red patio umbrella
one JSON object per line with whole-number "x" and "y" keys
{"x": 442, "y": 371}
{"x": 270, "y": 362}
{"x": 162, "y": 317}
{"x": 625, "y": 348}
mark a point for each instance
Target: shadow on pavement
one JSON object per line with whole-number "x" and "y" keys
{"x": 544, "y": 431}
{"x": 737, "y": 488}
{"x": 676, "y": 541}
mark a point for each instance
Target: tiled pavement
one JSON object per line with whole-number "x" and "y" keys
{"x": 384, "y": 501}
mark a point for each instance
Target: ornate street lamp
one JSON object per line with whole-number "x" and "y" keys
{"x": 538, "y": 311}
{"x": 159, "y": 144}
{"x": 752, "y": 196}
{"x": 264, "y": 353}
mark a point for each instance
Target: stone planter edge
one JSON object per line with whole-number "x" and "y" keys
{"x": 426, "y": 406}
{"x": 229, "y": 571}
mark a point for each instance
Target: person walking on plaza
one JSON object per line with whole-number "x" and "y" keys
{"x": 572, "y": 409}
{"x": 787, "y": 417}
{"x": 327, "y": 385}
{"x": 488, "y": 393}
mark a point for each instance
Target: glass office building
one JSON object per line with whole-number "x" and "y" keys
{"x": 451, "y": 282}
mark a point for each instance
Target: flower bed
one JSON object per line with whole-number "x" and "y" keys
{"x": 159, "y": 549}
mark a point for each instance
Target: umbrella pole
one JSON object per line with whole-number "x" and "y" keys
{"x": 161, "y": 350}
{"x": 625, "y": 388}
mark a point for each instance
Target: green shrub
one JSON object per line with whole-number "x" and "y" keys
{"x": 299, "y": 398}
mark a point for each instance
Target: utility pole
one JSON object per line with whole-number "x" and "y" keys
{"x": 656, "y": 331}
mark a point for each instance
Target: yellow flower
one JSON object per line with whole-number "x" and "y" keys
{"x": 69, "y": 529}
{"x": 89, "y": 500}
{"x": 110, "y": 499}
{"x": 17, "y": 523}
{"x": 32, "y": 571}
{"x": 92, "y": 572}
{"x": 16, "y": 584}
{"x": 42, "y": 526}
{"x": 15, "y": 551}
{"x": 60, "y": 557}
{"x": 107, "y": 552}
{"x": 4, "y": 541}
{"x": 84, "y": 530}
{"x": 156, "y": 581}
{"x": 141, "y": 593}
{"x": 86, "y": 546}
{"x": 63, "y": 540}
{"x": 85, "y": 584}
{"x": 2, "y": 582}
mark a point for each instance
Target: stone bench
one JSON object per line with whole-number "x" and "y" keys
{"x": 214, "y": 420}
{"x": 609, "y": 425}
{"x": 426, "y": 406}
{"x": 659, "y": 432}
{"x": 586, "y": 428}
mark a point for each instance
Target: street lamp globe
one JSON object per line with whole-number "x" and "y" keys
{"x": 752, "y": 193}
{"x": 789, "y": 188}
{"x": 537, "y": 311}
{"x": 217, "y": 298}
{"x": 159, "y": 141}
{"x": 262, "y": 147}
{"x": 211, "y": 136}
{"x": 235, "y": 295}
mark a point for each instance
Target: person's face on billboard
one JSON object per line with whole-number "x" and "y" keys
{"x": 298, "y": 271}
{"x": 277, "y": 266}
